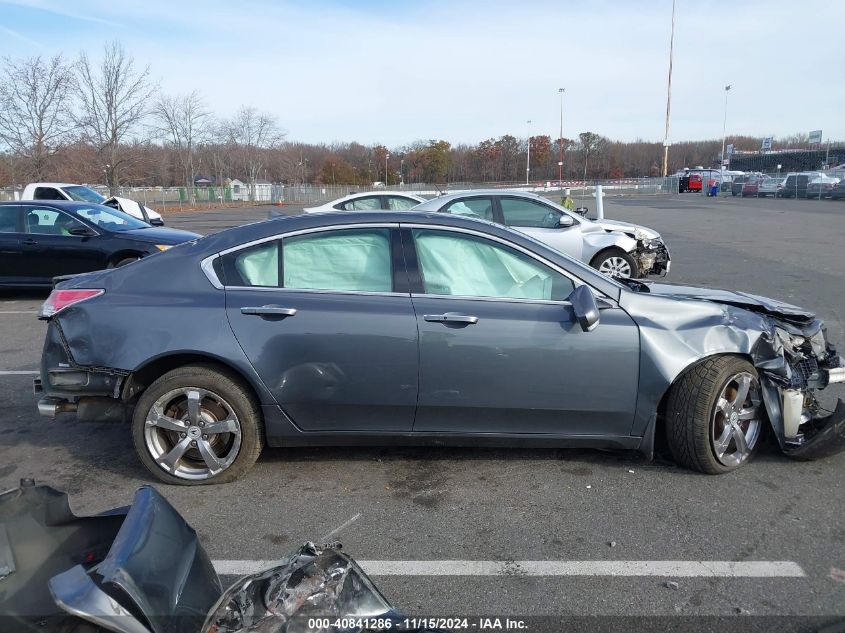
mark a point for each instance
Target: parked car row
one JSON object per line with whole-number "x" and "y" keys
{"x": 812, "y": 184}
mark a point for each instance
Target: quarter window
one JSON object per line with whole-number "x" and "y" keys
{"x": 527, "y": 213}
{"x": 8, "y": 219}
{"x": 465, "y": 265}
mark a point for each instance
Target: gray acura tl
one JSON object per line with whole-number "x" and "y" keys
{"x": 414, "y": 328}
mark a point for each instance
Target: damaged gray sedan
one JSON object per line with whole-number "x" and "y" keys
{"x": 415, "y": 328}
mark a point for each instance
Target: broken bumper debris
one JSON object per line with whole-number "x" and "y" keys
{"x": 142, "y": 569}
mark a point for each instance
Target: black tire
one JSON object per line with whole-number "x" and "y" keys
{"x": 691, "y": 413}
{"x": 612, "y": 253}
{"x": 218, "y": 383}
{"x": 123, "y": 261}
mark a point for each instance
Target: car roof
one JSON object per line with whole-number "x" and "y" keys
{"x": 55, "y": 184}
{"x": 244, "y": 234}
{"x": 69, "y": 205}
{"x": 478, "y": 192}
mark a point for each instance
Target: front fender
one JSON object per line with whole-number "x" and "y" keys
{"x": 594, "y": 243}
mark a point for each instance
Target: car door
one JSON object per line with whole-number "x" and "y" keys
{"x": 12, "y": 268}
{"x": 50, "y": 249}
{"x": 500, "y": 349}
{"x": 542, "y": 222}
{"x": 325, "y": 317}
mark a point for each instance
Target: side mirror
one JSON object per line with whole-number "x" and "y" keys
{"x": 81, "y": 231}
{"x": 565, "y": 221}
{"x": 585, "y": 308}
{"x": 581, "y": 211}
{"x": 156, "y": 222}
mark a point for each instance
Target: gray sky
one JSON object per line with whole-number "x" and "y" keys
{"x": 393, "y": 72}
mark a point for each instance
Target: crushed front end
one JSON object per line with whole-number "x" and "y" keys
{"x": 652, "y": 257}
{"x": 807, "y": 429}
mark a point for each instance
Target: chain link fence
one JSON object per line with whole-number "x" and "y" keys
{"x": 165, "y": 199}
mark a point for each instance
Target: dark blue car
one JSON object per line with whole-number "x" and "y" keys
{"x": 43, "y": 239}
{"x": 387, "y": 328}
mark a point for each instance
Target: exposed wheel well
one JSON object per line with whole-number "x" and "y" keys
{"x": 609, "y": 249}
{"x": 140, "y": 379}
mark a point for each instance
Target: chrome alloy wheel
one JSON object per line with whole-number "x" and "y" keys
{"x": 736, "y": 421}
{"x": 192, "y": 433}
{"x": 615, "y": 266}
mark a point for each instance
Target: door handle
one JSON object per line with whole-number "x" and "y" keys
{"x": 29, "y": 242}
{"x": 451, "y": 317}
{"x": 272, "y": 311}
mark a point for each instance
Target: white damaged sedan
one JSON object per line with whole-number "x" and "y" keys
{"x": 614, "y": 248}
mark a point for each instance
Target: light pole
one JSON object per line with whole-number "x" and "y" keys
{"x": 668, "y": 98}
{"x": 401, "y": 172}
{"x": 386, "y": 157}
{"x": 724, "y": 138}
{"x": 560, "y": 142}
{"x": 528, "y": 155}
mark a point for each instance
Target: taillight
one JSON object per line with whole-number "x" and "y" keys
{"x": 60, "y": 299}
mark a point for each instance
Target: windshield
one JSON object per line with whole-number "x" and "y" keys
{"x": 83, "y": 194}
{"x": 110, "y": 219}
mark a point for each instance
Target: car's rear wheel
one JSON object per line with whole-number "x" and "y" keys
{"x": 197, "y": 425}
{"x": 715, "y": 415}
{"x": 616, "y": 263}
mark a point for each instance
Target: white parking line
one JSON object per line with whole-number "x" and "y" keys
{"x": 623, "y": 568}
{"x": 12, "y": 372}
{"x": 18, "y": 311}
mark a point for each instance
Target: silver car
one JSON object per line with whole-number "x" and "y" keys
{"x": 614, "y": 248}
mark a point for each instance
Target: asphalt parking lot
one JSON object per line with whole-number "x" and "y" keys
{"x": 514, "y": 507}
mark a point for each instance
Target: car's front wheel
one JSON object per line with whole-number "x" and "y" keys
{"x": 197, "y": 425}
{"x": 615, "y": 262}
{"x": 715, "y": 415}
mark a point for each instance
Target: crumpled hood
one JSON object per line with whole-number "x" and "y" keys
{"x": 627, "y": 227}
{"x": 754, "y": 303}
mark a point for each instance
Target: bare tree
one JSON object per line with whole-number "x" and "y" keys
{"x": 252, "y": 133}
{"x": 183, "y": 119}
{"x": 113, "y": 100}
{"x": 35, "y": 121}
{"x": 589, "y": 143}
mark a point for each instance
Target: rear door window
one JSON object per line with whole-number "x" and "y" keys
{"x": 349, "y": 260}
{"x": 342, "y": 259}
{"x": 39, "y": 221}
{"x": 367, "y": 203}
{"x": 400, "y": 203}
{"x": 471, "y": 208}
